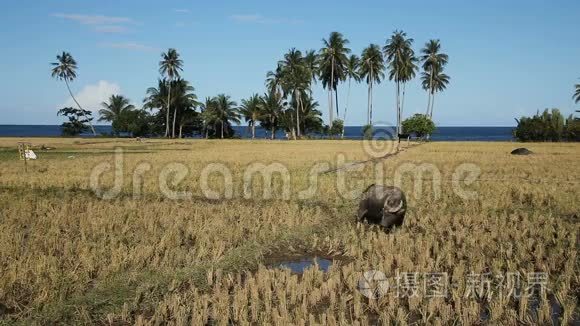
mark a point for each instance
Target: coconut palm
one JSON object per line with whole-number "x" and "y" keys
{"x": 434, "y": 81}
{"x": 296, "y": 81}
{"x": 209, "y": 116}
{"x": 66, "y": 69}
{"x": 333, "y": 61}
{"x": 183, "y": 99}
{"x": 577, "y": 93}
{"x": 252, "y": 111}
{"x": 352, "y": 72}
{"x": 271, "y": 108}
{"x": 371, "y": 69}
{"x": 116, "y": 106}
{"x": 169, "y": 67}
{"x": 226, "y": 112}
{"x": 401, "y": 60}
{"x": 274, "y": 81}
{"x": 433, "y": 63}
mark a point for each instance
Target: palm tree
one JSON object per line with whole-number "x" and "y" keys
{"x": 433, "y": 64}
{"x": 434, "y": 81}
{"x": 115, "y": 109}
{"x": 296, "y": 80}
{"x": 577, "y": 93}
{"x": 183, "y": 99}
{"x": 271, "y": 108}
{"x": 65, "y": 69}
{"x": 371, "y": 68}
{"x": 333, "y": 61}
{"x": 170, "y": 66}
{"x": 226, "y": 111}
{"x": 251, "y": 111}
{"x": 209, "y": 115}
{"x": 274, "y": 81}
{"x": 352, "y": 71}
{"x": 401, "y": 59}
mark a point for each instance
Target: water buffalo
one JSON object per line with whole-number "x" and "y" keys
{"x": 521, "y": 151}
{"x": 382, "y": 205}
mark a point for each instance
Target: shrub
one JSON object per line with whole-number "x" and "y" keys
{"x": 547, "y": 126}
{"x": 367, "y": 131}
{"x": 419, "y": 124}
{"x": 336, "y": 128}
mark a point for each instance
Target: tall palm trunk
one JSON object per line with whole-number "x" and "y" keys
{"x": 180, "y": 129}
{"x": 398, "y": 109}
{"x": 403, "y": 102}
{"x": 222, "y": 129}
{"x": 432, "y": 103}
{"x": 174, "y": 118}
{"x": 430, "y": 91}
{"x": 369, "y": 104}
{"x": 167, "y": 116}
{"x": 273, "y": 129}
{"x": 331, "y": 89}
{"x": 345, "y": 108}
{"x": 298, "y": 107}
{"x": 254, "y": 129}
{"x": 75, "y": 100}
{"x": 336, "y": 102}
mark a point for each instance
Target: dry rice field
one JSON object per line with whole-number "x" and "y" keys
{"x": 159, "y": 251}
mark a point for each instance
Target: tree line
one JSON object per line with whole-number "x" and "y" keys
{"x": 172, "y": 109}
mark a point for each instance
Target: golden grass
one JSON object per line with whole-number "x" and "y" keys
{"x": 67, "y": 256}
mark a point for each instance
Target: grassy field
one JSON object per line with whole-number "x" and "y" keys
{"x": 145, "y": 257}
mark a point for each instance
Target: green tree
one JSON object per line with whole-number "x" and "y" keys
{"x": 271, "y": 108}
{"x": 371, "y": 68}
{"x": 547, "y": 126}
{"x": 226, "y": 113}
{"x": 296, "y": 81}
{"x": 419, "y": 124}
{"x": 252, "y": 112}
{"x": 78, "y": 121}
{"x": 333, "y": 61}
{"x": 433, "y": 78}
{"x": 116, "y": 111}
{"x": 169, "y": 67}
{"x": 402, "y": 68}
{"x": 209, "y": 116}
{"x": 66, "y": 69}
{"x": 336, "y": 129}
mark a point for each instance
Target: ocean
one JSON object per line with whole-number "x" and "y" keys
{"x": 351, "y": 132}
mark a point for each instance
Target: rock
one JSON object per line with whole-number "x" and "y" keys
{"x": 521, "y": 151}
{"x": 382, "y": 205}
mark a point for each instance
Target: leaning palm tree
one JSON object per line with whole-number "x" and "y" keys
{"x": 352, "y": 71}
{"x": 333, "y": 60}
{"x": 371, "y": 69}
{"x": 577, "y": 93}
{"x": 170, "y": 66}
{"x": 226, "y": 111}
{"x": 433, "y": 63}
{"x": 274, "y": 81}
{"x": 251, "y": 111}
{"x": 401, "y": 61}
{"x": 434, "y": 81}
{"x": 65, "y": 69}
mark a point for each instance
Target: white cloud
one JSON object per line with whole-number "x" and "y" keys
{"x": 111, "y": 29}
{"x": 91, "y": 96}
{"x": 129, "y": 46}
{"x": 182, "y": 11}
{"x": 100, "y": 23}
{"x": 95, "y": 19}
{"x": 259, "y": 19}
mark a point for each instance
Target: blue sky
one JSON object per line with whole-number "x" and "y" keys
{"x": 507, "y": 58}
